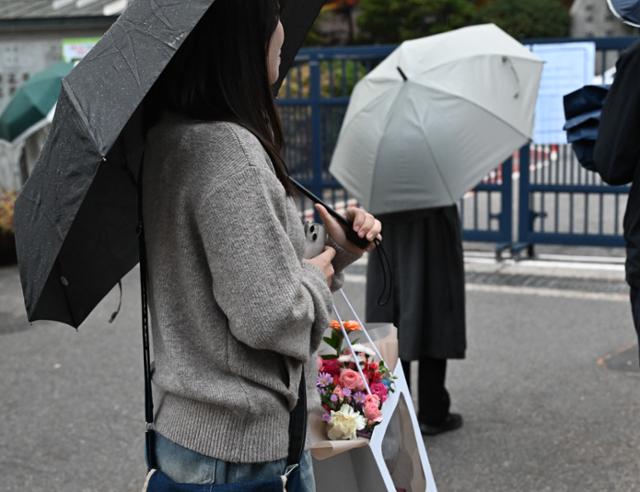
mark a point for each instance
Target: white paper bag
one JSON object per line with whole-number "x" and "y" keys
{"x": 394, "y": 459}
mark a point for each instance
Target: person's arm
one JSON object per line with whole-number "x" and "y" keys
{"x": 617, "y": 150}
{"x": 271, "y": 300}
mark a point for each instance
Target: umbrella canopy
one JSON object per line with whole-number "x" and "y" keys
{"x": 33, "y": 101}
{"x": 76, "y": 218}
{"x": 435, "y": 117}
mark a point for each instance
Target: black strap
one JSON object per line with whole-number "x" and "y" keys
{"x": 298, "y": 418}
{"x": 146, "y": 356}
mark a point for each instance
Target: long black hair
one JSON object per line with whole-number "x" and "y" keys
{"x": 220, "y": 73}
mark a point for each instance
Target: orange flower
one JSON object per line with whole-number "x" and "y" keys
{"x": 352, "y": 326}
{"x": 348, "y": 325}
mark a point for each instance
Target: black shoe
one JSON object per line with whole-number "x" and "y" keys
{"x": 452, "y": 422}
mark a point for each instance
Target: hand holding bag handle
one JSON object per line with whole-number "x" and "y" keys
{"x": 156, "y": 481}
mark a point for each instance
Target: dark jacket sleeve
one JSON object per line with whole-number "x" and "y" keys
{"x": 617, "y": 151}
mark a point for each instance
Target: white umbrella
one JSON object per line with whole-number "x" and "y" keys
{"x": 435, "y": 117}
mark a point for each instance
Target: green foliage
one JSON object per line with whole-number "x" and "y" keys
{"x": 335, "y": 342}
{"x": 392, "y": 21}
{"x": 539, "y": 19}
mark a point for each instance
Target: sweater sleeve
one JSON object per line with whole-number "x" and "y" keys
{"x": 271, "y": 300}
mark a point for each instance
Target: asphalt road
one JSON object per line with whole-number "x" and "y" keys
{"x": 543, "y": 410}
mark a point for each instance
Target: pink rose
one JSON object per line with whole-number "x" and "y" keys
{"x": 351, "y": 379}
{"x": 372, "y": 399}
{"x": 380, "y": 390}
{"x": 372, "y": 412}
{"x": 338, "y": 391}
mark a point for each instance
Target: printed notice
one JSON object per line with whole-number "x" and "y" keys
{"x": 568, "y": 66}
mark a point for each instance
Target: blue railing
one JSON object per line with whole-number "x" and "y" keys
{"x": 313, "y": 102}
{"x": 559, "y": 202}
{"x": 562, "y": 203}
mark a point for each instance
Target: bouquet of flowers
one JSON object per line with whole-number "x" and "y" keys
{"x": 353, "y": 383}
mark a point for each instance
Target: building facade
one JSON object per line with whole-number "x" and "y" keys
{"x": 593, "y": 19}
{"x": 35, "y": 34}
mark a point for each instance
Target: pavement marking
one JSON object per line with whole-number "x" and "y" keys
{"x": 537, "y": 264}
{"x": 544, "y": 292}
{"x": 525, "y": 291}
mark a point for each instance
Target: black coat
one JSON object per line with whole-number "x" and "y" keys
{"x": 617, "y": 151}
{"x": 428, "y": 303}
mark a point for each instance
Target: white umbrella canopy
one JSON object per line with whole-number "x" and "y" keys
{"x": 435, "y": 117}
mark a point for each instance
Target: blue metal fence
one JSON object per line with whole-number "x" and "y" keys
{"x": 560, "y": 202}
{"x": 313, "y": 102}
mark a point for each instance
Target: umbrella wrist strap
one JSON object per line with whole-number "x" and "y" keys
{"x": 298, "y": 416}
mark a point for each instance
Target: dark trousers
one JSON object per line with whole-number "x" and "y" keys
{"x": 433, "y": 397}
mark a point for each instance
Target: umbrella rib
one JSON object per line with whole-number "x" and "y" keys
{"x": 435, "y": 159}
{"x": 384, "y": 132}
{"x": 76, "y": 105}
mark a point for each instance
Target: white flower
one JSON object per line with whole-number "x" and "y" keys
{"x": 362, "y": 349}
{"x": 358, "y": 349}
{"x": 345, "y": 423}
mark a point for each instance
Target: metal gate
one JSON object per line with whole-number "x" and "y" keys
{"x": 562, "y": 203}
{"x": 313, "y": 102}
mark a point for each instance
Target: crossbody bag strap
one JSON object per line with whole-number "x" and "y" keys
{"x": 298, "y": 418}
{"x": 146, "y": 356}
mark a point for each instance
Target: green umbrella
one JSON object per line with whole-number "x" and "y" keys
{"x": 33, "y": 101}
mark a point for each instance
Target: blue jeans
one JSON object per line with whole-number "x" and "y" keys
{"x": 185, "y": 466}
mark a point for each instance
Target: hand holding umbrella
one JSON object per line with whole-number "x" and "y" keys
{"x": 365, "y": 225}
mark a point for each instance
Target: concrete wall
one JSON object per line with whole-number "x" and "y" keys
{"x": 592, "y": 18}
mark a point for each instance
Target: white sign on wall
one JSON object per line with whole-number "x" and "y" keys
{"x": 568, "y": 66}
{"x": 76, "y": 49}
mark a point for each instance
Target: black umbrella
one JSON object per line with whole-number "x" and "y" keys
{"x": 76, "y": 218}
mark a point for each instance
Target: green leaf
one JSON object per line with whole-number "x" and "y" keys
{"x": 329, "y": 357}
{"x": 331, "y": 342}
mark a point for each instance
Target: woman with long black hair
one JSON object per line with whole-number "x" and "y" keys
{"x": 236, "y": 312}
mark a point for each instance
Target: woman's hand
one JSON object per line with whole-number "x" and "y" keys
{"x": 324, "y": 262}
{"x": 364, "y": 224}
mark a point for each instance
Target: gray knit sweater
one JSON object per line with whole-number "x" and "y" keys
{"x": 235, "y": 312}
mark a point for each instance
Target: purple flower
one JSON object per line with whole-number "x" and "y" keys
{"x": 346, "y": 392}
{"x": 334, "y": 398}
{"x": 326, "y": 417}
{"x": 359, "y": 397}
{"x": 324, "y": 380}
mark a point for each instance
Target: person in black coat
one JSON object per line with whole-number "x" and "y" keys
{"x": 428, "y": 303}
{"x": 617, "y": 156}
